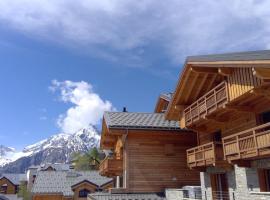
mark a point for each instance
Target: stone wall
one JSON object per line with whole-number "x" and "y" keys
{"x": 243, "y": 182}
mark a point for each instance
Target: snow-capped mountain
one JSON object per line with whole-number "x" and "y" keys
{"x": 57, "y": 148}
{"x": 5, "y": 154}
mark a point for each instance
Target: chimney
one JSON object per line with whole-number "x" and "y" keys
{"x": 124, "y": 109}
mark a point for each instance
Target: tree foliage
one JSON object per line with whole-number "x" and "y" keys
{"x": 87, "y": 161}
{"x": 23, "y": 192}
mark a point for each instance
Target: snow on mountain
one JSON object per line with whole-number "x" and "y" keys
{"x": 57, "y": 148}
{"x": 5, "y": 153}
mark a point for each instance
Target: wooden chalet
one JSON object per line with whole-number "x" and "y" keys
{"x": 148, "y": 152}
{"x": 163, "y": 102}
{"x": 68, "y": 185}
{"x": 9, "y": 183}
{"x": 225, "y": 99}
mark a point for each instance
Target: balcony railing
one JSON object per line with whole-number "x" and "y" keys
{"x": 205, "y": 155}
{"x": 249, "y": 144}
{"x": 207, "y": 104}
{"x": 111, "y": 167}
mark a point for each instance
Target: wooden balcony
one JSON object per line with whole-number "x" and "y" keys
{"x": 207, "y": 104}
{"x": 210, "y": 154}
{"x": 250, "y": 144}
{"x": 111, "y": 167}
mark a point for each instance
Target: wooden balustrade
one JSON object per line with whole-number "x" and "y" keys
{"x": 205, "y": 155}
{"x": 210, "y": 102}
{"x": 248, "y": 144}
{"x": 111, "y": 167}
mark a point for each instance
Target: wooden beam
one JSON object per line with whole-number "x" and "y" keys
{"x": 180, "y": 107}
{"x": 261, "y": 92}
{"x": 211, "y": 82}
{"x": 242, "y": 163}
{"x": 225, "y": 71}
{"x": 204, "y": 70}
{"x": 240, "y": 108}
{"x": 191, "y": 85}
{"x": 200, "y": 87}
{"x": 215, "y": 119}
{"x": 262, "y": 73}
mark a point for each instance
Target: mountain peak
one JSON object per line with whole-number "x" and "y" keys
{"x": 56, "y": 148}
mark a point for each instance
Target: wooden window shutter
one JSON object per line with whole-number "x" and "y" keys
{"x": 262, "y": 180}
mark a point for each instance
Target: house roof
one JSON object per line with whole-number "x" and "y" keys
{"x": 138, "y": 196}
{"x": 166, "y": 96}
{"x": 61, "y": 182}
{"x": 15, "y": 178}
{"x": 196, "y": 79}
{"x": 56, "y": 166}
{"x": 132, "y": 120}
{"x": 237, "y": 56}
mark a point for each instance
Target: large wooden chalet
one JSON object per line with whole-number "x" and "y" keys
{"x": 225, "y": 99}
{"x": 148, "y": 152}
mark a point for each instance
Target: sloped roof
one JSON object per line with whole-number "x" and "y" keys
{"x": 166, "y": 96}
{"x": 15, "y": 178}
{"x": 57, "y": 166}
{"x": 60, "y": 182}
{"x": 135, "y": 196}
{"x": 237, "y": 56}
{"x": 139, "y": 121}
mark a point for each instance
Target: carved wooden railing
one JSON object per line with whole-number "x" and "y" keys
{"x": 207, "y": 104}
{"x": 111, "y": 166}
{"x": 204, "y": 155}
{"x": 250, "y": 143}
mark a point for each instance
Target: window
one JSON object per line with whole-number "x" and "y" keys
{"x": 264, "y": 117}
{"x": 3, "y": 189}
{"x": 217, "y": 136}
{"x": 34, "y": 178}
{"x": 83, "y": 193}
{"x": 264, "y": 179}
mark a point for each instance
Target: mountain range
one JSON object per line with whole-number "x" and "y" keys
{"x": 55, "y": 149}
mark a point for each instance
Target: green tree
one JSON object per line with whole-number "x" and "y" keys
{"x": 23, "y": 192}
{"x": 87, "y": 161}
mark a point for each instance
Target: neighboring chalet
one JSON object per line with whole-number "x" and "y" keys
{"x": 68, "y": 185}
{"x": 226, "y": 99}
{"x": 9, "y": 183}
{"x": 33, "y": 171}
{"x": 148, "y": 153}
{"x": 163, "y": 102}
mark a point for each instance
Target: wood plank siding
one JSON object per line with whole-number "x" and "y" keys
{"x": 242, "y": 81}
{"x": 157, "y": 160}
{"x": 10, "y": 187}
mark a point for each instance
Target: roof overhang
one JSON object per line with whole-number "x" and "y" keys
{"x": 204, "y": 74}
{"x": 73, "y": 187}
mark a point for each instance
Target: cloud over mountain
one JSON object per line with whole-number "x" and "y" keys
{"x": 86, "y": 106}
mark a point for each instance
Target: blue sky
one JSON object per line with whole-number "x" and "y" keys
{"x": 62, "y": 59}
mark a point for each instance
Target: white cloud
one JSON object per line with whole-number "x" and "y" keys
{"x": 87, "y": 106}
{"x": 125, "y": 29}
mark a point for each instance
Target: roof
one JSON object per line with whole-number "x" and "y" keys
{"x": 166, "y": 96}
{"x": 237, "y": 56}
{"x": 61, "y": 182}
{"x": 139, "y": 121}
{"x": 57, "y": 166}
{"x": 135, "y": 196}
{"x": 15, "y": 178}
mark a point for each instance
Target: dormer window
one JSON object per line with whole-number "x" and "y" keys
{"x": 84, "y": 193}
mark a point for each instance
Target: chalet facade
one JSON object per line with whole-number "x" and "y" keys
{"x": 225, "y": 99}
{"x": 148, "y": 153}
{"x": 68, "y": 185}
{"x": 9, "y": 183}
